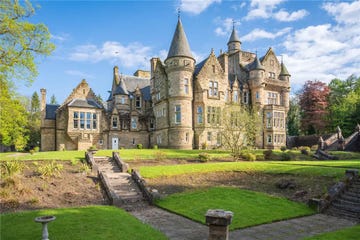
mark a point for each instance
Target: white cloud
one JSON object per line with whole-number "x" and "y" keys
{"x": 79, "y": 74}
{"x": 284, "y": 16}
{"x": 267, "y": 9}
{"x": 326, "y": 51}
{"x": 225, "y": 26}
{"x": 60, "y": 37}
{"x": 344, "y": 12}
{"x": 132, "y": 55}
{"x": 261, "y": 34}
{"x": 196, "y": 6}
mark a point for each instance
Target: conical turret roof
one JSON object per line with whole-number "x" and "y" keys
{"x": 234, "y": 36}
{"x": 284, "y": 71}
{"x": 256, "y": 65}
{"x": 179, "y": 44}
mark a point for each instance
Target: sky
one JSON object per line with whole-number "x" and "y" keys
{"x": 318, "y": 40}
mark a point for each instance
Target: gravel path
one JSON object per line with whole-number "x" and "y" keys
{"x": 176, "y": 227}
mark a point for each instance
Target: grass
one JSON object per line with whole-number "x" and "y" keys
{"x": 266, "y": 167}
{"x": 249, "y": 208}
{"x": 91, "y": 223}
{"x": 335, "y": 163}
{"x": 125, "y": 154}
{"x": 351, "y": 233}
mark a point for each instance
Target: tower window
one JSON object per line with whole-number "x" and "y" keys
{"x": 213, "y": 68}
{"x": 272, "y": 98}
{"x": 178, "y": 114}
{"x": 209, "y": 136}
{"x": 152, "y": 124}
{"x": 186, "y": 86}
{"x": 245, "y": 97}
{"x": 236, "y": 96}
{"x": 123, "y": 100}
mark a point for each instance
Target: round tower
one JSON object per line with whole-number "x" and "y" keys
{"x": 180, "y": 66}
{"x": 257, "y": 73}
{"x": 285, "y": 76}
{"x": 234, "y": 43}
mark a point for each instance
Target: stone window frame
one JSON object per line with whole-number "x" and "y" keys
{"x": 269, "y": 138}
{"x": 199, "y": 112}
{"x": 84, "y": 120}
{"x": 213, "y": 115}
{"x": 272, "y": 75}
{"x": 138, "y": 101}
{"x": 272, "y": 98}
{"x": 152, "y": 124}
{"x": 186, "y": 85}
{"x": 268, "y": 119}
{"x": 245, "y": 97}
{"x": 133, "y": 123}
{"x": 123, "y": 100}
{"x": 235, "y": 96}
{"x": 158, "y": 139}
{"x": 114, "y": 122}
{"x": 213, "y": 91}
{"x": 177, "y": 115}
{"x": 209, "y": 136}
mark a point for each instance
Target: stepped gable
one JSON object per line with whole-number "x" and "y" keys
{"x": 179, "y": 45}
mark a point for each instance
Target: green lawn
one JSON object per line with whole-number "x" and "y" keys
{"x": 334, "y": 163}
{"x": 126, "y": 154}
{"x": 266, "y": 167}
{"x": 93, "y": 222}
{"x": 351, "y": 233}
{"x": 249, "y": 208}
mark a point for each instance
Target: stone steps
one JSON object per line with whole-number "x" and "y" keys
{"x": 347, "y": 205}
{"x": 121, "y": 184}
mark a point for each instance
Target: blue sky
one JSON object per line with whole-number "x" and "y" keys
{"x": 317, "y": 39}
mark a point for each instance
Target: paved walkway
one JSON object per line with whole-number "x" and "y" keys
{"x": 176, "y": 227}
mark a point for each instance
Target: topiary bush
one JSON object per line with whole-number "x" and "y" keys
{"x": 155, "y": 146}
{"x": 283, "y": 148}
{"x": 139, "y": 146}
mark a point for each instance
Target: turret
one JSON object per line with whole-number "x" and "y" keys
{"x": 284, "y": 74}
{"x": 234, "y": 43}
{"x": 257, "y": 73}
{"x": 180, "y": 66}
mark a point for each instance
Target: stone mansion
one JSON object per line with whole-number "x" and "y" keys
{"x": 178, "y": 104}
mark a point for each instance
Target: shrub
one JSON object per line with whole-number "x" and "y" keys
{"x": 285, "y": 156}
{"x": 294, "y": 148}
{"x": 204, "y": 157}
{"x": 283, "y": 148}
{"x": 260, "y": 157}
{"x": 139, "y": 146}
{"x": 305, "y": 150}
{"x": 155, "y": 146}
{"x": 159, "y": 155}
{"x": 267, "y": 154}
{"x": 204, "y": 145}
{"x": 314, "y": 147}
{"x": 248, "y": 156}
{"x": 36, "y": 149}
{"x": 50, "y": 169}
{"x": 84, "y": 168}
{"x": 10, "y": 168}
{"x": 32, "y": 151}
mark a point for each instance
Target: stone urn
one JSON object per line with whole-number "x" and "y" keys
{"x": 44, "y": 220}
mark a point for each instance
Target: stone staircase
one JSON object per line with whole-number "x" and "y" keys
{"x": 119, "y": 185}
{"x": 347, "y": 204}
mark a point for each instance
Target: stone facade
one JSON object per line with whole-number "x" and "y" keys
{"x": 177, "y": 104}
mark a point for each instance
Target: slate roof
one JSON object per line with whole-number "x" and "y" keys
{"x": 199, "y": 66}
{"x": 234, "y": 37}
{"x": 84, "y": 103}
{"x": 284, "y": 71}
{"x": 146, "y": 93}
{"x": 50, "y": 111}
{"x": 255, "y": 65}
{"x": 179, "y": 44}
{"x": 130, "y": 83}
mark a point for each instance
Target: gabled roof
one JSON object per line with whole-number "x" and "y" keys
{"x": 179, "y": 44}
{"x": 84, "y": 103}
{"x": 50, "y": 111}
{"x": 199, "y": 66}
{"x": 146, "y": 93}
{"x": 234, "y": 37}
{"x": 130, "y": 83}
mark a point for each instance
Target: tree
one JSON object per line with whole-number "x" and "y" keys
{"x": 53, "y": 99}
{"x": 34, "y": 122}
{"x": 240, "y": 126}
{"x": 21, "y": 41}
{"x": 313, "y": 104}
{"x": 344, "y": 104}
{"x": 293, "y": 117}
{"x": 13, "y": 119}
